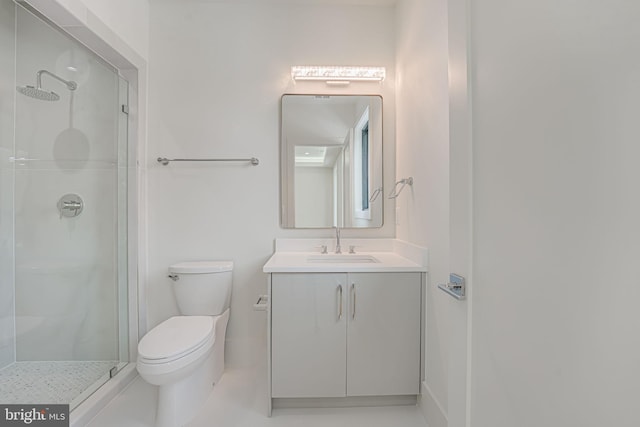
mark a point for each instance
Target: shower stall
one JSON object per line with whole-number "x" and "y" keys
{"x": 64, "y": 169}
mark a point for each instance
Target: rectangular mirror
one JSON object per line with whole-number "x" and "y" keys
{"x": 331, "y": 161}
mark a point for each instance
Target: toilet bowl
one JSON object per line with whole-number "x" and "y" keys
{"x": 184, "y": 355}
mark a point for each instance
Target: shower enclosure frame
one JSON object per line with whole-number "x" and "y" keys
{"x": 103, "y": 42}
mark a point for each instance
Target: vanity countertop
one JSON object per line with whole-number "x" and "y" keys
{"x": 307, "y": 262}
{"x": 379, "y": 255}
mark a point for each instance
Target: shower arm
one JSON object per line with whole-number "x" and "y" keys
{"x": 71, "y": 85}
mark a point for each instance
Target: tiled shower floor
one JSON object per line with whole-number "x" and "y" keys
{"x": 49, "y": 382}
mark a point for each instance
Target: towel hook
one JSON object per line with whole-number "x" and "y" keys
{"x": 396, "y": 192}
{"x": 375, "y": 194}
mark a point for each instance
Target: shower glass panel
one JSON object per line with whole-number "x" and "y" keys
{"x": 7, "y": 96}
{"x": 64, "y": 170}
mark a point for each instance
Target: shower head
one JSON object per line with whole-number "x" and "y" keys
{"x": 45, "y": 95}
{"x": 38, "y": 93}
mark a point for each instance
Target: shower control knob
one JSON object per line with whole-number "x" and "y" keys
{"x": 70, "y": 205}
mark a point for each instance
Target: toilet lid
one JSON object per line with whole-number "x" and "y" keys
{"x": 175, "y": 337}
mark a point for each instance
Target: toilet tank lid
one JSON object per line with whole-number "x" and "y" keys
{"x": 200, "y": 267}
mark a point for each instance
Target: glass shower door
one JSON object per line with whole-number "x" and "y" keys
{"x": 69, "y": 177}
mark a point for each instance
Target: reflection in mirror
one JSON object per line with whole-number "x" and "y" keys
{"x": 331, "y": 161}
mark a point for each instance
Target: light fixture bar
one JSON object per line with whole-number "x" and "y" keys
{"x": 343, "y": 74}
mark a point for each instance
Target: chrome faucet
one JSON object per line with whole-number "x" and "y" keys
{"x": 338, "y": 248}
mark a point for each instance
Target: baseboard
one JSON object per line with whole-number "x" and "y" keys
{"x": 344, "y": 402}
{"x": 431, "y": 408}
{"x": 422, "y": 402}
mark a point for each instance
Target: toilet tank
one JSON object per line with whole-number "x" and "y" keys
{"x": 202, "y": 288}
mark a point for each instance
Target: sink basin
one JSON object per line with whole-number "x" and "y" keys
{"x": 346, "y": 258}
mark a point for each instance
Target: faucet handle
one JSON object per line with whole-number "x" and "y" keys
{"x": 352, "y": 249}
{"x": 323, "y": 249}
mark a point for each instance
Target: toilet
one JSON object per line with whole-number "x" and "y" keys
{"x": 184, "y": 355}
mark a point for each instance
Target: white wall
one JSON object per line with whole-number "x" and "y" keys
{"x": 313, "y": 196}
{"x": 557, "y": 237}
{"x": 128, "y": 19}
{"x": 217, "y": 73}
{"x": 423, "y": 153}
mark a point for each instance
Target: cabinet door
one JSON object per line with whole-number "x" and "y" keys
{"x": 308, "y": 335}
{"x": 383, "y": 332}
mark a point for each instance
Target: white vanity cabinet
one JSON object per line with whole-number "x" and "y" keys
{"x": 345, "y": 334}
{"x": 383, "y": 334}
{"x": 308, "y": 335}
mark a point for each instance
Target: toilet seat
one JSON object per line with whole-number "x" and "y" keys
{"x": 177, "y": 338}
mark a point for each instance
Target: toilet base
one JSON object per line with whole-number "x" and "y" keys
{"x": 179, "y": 402}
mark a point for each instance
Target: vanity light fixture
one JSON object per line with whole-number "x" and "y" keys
{"x": 337, "y": 75}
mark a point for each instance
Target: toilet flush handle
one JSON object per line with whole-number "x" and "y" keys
{"x": 173, "y": 277}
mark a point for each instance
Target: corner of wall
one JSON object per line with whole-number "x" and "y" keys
{"x": 430, "y": 408}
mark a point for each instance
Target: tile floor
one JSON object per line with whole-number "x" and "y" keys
{"x": 239, "y": 400}
{"x": 49, "y": 382}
